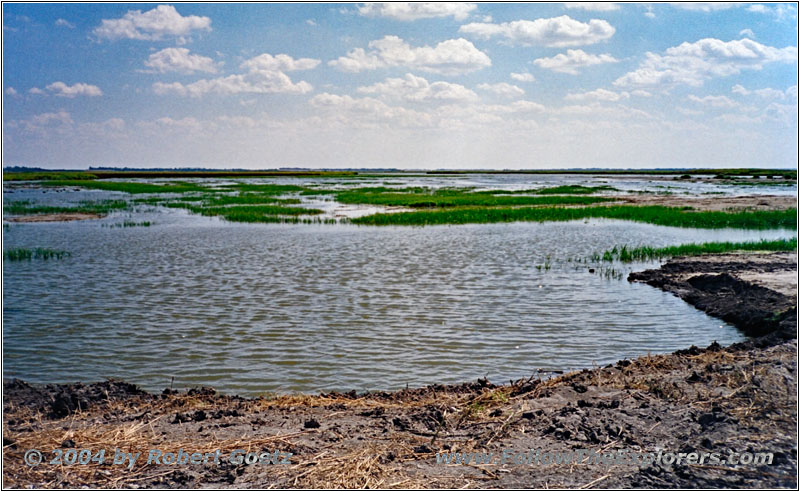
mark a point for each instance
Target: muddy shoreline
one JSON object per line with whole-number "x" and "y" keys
{"x": 738, "y": 399}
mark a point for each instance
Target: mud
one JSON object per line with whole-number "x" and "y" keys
{"x": 67, "y": 217}
{"x": 756, "y": 292}
{"x": 741, "y": 398}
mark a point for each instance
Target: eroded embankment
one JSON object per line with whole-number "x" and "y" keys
{"x": 715, "y": 400}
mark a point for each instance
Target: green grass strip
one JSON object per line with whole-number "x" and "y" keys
{"x": 251, "y": 213}
{"x": 131, "y": 187}
{"x": 666, "y": 216}
{"x": 450, "y": 198}
{"x": 644, "y": 253}
{"x": 99, "y": 207}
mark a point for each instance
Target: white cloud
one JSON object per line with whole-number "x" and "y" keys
{"x": 713, "y": 101}
{"x": 779, "y": 10}
{"x": 265, "y": 75}
{"x": 572, "y": 61}
{"x": 311, "y": 22}
{"x": 283, "y": 63}
{"x": 10, "y": 91}
{"x": 738, "y": 89}
{"x": 747, "y": 33}
{"x": 35, "y": 90}
{"x": 180, "y": 60}
{"x": 689, "y": 112}
{"x": 502, "y": 89}
{"x": 641, "y": 93}
{"x": 352, "y": 112}
{"x": 523, "y": 77}
{"x": 769, "y": 93}
{"x": 406, "y": 11}
{"x": 65, "y": 23}
{"x": 154, "y": 24}
{"x": 556, "y": 32}
{"x": 416, "y": 89}
{"x": 451, "y": 57}
{"x": 45, "y": 118}
{"x": 593, "y": 6}
{"x": 597, "y": 95}
{"x": 766, "y": 93}
{"x": 705, "y": 6}
{"x": 254, "y": 83}
{"x": 649, "y": 13}
{"x": 79, "y": 89}
{"x": 693, "y": 63}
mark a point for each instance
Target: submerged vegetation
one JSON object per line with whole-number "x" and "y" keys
{"x": 24, "y": 254}
{"x": 130, "y": 223}
{"x": 659, "y": 215}
{"x": 644, "y": 253}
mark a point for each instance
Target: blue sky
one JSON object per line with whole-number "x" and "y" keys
{"x": 455, "y": 85}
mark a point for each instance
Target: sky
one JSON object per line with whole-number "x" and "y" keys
{"x": 398, "y": 85}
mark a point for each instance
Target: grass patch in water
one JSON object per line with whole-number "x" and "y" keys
{"x": 644, "y": 253}
{"x": 130, "y": 223}
{"x": 132, "y": 187}
{"x": 264, "y": 189}
{"x": 249, "y": 199}
{"x": 659, "y": 215}
{"x": 443, "y": 198}
{"x": 252, "y": 213}
{"x": 100, "y": 207}
{"x": 573, "y": 190}
{"x": 25, "y": 254}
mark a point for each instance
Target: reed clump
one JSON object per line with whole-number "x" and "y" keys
{"x": 25, "y": 254}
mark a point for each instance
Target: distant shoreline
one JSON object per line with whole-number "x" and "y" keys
{"x": 27, "y": 174}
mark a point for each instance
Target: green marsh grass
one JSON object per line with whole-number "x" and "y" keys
{"x": 456, "y": 198}
{"x": 251, "y": 213}
{"x": 645, "y": 253}
{"x": 98, "y": 207}
{"x": 659, "y": 215}
{"x": 264, "y": 189}
{"x": 25, "y": 254}
{"x": 44, "y": 175}
{"x": 132, "y": 187}
{"x": 249, "y": 199}
{"x": 573, "y": 190}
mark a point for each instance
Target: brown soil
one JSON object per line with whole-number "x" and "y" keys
{"x": 68, "y": 217}
{"x": 716, "y": 202}
{"x": 741, "y": 398}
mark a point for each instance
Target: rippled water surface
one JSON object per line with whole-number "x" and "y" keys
{"x": 256, "y": 308}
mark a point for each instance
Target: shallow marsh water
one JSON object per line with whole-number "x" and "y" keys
{"x": 252, "y": 308}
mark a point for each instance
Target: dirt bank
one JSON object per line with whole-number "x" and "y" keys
{"x": 756, "y": 292}
{"x": 714, "y": 400}
{"x": 68, "y": 217}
